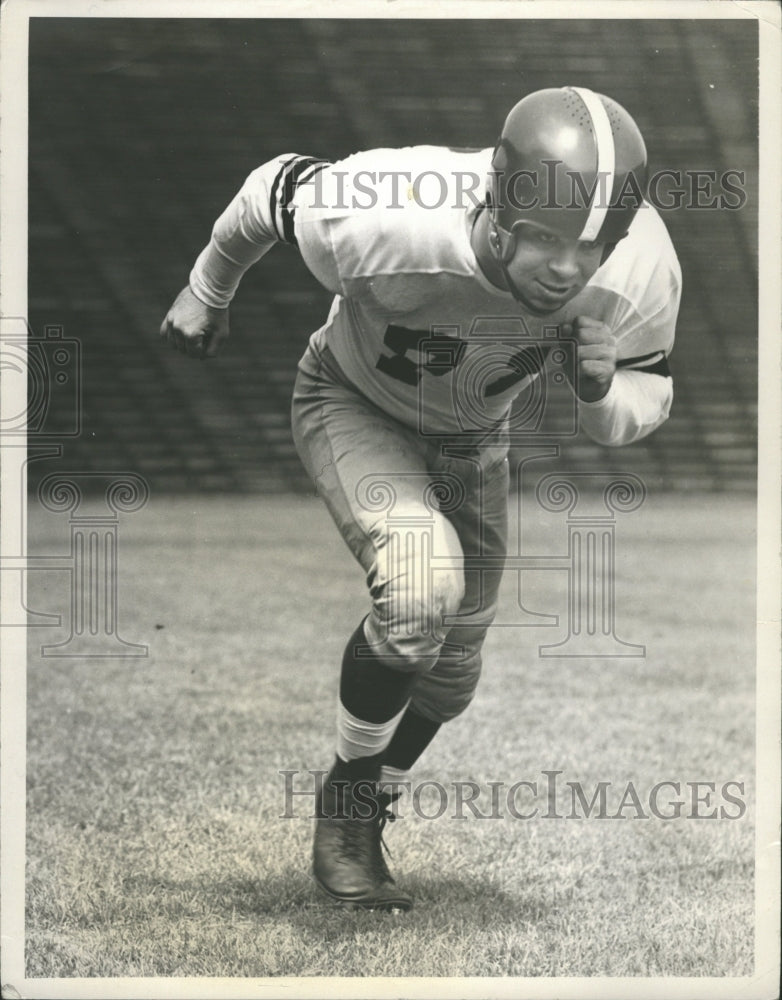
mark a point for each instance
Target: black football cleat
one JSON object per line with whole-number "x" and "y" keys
{"x": 348, "y": 862}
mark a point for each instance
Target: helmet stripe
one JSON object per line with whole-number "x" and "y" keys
{"x": 606, "y": 163}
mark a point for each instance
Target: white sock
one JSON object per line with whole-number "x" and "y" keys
{"x": 357, "y": 738}
{"x": 392, "y": 774}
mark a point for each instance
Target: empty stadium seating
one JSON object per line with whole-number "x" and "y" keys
{"x": 141, "y": 130}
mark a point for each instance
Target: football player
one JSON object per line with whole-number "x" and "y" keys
{"x": 401, "y": 405}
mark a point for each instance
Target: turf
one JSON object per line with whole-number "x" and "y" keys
{"x": 155, "y": 843}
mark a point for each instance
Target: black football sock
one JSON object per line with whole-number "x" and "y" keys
{"x": 412, "y": 736}
{"x": 369, "y": 689}
{"x": 360, "y": 769}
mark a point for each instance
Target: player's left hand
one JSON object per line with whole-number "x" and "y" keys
{"x": 596, "y": 361}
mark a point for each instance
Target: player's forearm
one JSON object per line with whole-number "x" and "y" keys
{"x": 636, "y": 403}
{"x": 241, "y": 236}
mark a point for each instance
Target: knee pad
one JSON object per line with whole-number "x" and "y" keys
{"x": 411, "y": 598}
{"x": 445, "y": 692}
{"x": 449, "y": 687}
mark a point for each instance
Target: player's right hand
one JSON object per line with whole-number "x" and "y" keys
{"x": 193, "y": 328}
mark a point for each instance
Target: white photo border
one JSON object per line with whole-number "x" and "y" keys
{"x": 13, "y": 303}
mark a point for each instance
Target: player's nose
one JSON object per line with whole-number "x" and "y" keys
{"x": 563, "y": 264}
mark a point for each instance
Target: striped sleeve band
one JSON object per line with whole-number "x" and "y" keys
{"x": 295, "y": 171}
{"x": 655, "y": 363}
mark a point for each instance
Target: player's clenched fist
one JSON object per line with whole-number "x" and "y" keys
{"x": 596, "y": 362}
{"x": 194, "y": 328}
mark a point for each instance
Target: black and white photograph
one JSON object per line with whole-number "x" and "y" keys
{"x": 390, "y": 450}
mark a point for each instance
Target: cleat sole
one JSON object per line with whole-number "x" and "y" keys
{"x": 391, "y": 905}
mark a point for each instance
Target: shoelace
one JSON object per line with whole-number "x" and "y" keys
{"x": 386, "y": 816}
{"x": 363, "y": 840}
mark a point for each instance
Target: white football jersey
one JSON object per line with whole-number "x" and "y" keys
{"x": 415, "y": 324}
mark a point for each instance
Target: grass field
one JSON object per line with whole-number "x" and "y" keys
{"x": 155, "y": 845}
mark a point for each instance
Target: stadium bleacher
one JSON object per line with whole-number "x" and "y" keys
{"x": 141, "y": 130}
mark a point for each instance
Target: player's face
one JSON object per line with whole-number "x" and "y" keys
{"x": 548, "y": 270}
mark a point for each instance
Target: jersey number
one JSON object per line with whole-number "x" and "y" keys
{"x": 443, "y": 354}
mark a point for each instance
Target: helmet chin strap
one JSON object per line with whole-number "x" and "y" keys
{"x": 502, "y": 257}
